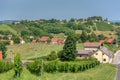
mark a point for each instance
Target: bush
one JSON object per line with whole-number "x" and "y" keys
{"x": 36, "y": 67}
{"x": 5, "y": 66}
{"x": 52, "y": 56}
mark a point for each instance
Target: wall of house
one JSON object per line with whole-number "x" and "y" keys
{"x": 103, "y": 58}
{"x": 92, "y": 49}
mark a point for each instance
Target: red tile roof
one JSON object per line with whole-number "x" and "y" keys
{"x": 58, "y": 40}
{"x": 54, "y": 39}
{"x": 1, "y": 55}
{"x": 34, "y": 41}
{"x": 110, "y": 40}
{"x": 44, "y": 38}
{"x": 92, "y": 44}
{"x": 102, "y": 41}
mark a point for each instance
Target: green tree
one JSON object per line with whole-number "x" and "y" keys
{"x": 69, "y": 50}
{"x": 93, "y": 37}
{"x": 84, "y": 36}
{"x": 3, "y": 48}
{"x": 16, "y": 39}
{"x": 17, "y": 65}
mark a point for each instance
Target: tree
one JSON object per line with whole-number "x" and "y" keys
{"x": 84, "y": 36}
{"x": 52, "y": 56}
{"x": 93, "y": 37}
{"x": 16, "y": 39}
{"x": 17, "y": 65}
{"x": 3, "y": 49}
{"x": 69, "y": 50}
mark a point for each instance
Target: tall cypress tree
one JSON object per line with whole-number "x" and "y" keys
{"x": 84, "y": 36}
{"x": 69, "y": 50}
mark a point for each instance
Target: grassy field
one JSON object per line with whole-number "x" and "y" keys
{"x": 32, "y": 50}
{"x": 4, "y": 27}
{"x": 102, "y": 72}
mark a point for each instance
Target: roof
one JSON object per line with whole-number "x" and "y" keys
{"x": 92, "y": 44}
{"x": 110, "y": 40}
{"x": 85, "y": 52}
{"x": 44, "y": 38}
{"x": 107, "y": 52}
{"x": 1, "y": 55}
{"x": 34, "y": 40}
{"x": 54, "y": 39}
{"x": 102, "y": 41}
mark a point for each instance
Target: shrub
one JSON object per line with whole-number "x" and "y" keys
{"x": 36, "y": 67}
{"x": 52, "y": 56}
{"x": 5, "y": 66}
{"x": 17, "y": 65}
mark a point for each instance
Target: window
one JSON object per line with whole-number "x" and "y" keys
{"x": 96, "y": 53}
{"x": 104, "y": 59}
{"x": 103, "y": 54}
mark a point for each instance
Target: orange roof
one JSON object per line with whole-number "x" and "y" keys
{"x": 102, "y": 41}
{"x": 1, "y": 55}
{"x": 54, "y": 39}
{"x": 44, "y": 38}
{"x": 110, "y": 40}
{"x": 34, "y": 41}
{"x": 92, "y": 44}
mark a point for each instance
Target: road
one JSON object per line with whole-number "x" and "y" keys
{"x": 116, "y": 61}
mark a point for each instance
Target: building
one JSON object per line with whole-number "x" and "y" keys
{"x": 22, "y": 41}
{"x": 44, "y": 39}
{"x": 92, "y": 46}
{"x": 104, "y": 55}
{"x": 84, "y": 53}
{"x": 1, "y": 55}
{"x": 97, "y": 51}
{"x": 58, "y": 41}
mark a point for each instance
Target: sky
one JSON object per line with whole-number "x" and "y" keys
{"x": 58, "y": 9}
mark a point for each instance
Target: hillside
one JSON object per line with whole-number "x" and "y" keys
{"x": 4, "y": 27}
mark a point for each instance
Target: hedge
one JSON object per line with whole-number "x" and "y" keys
{"x": 5, "y": 66}
{"x": 58, "y": 66}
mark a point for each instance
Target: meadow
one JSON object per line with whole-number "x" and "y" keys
{"x": 101, "y": 72}
{"x": 32, "y": 50}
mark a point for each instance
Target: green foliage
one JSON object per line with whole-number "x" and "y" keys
{"x": 3, "y": 48}
{"x": 103, "y": 26}
{"x": 69, "y": 49}
{"x": 16, "y": 39}
{"x": 84, "y": 36}
{"x": 75, "y": 66}
{"x": 5, "y": 66}
{"x": 52, "y": 56}
{"x": 36, "y": 67}
{"x": 92, "y": 37}
{"x": 17, "y": 65}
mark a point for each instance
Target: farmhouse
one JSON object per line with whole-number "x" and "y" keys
{"x": 103, "y": 55}
{"x": 109, "y": 41}
{"x": 1, "y": 55}
{"x": 44, "y": 39}
{"x": 92, "y": 46}
{"x": 57, "y": 40}
{"x": 97, "y": 51}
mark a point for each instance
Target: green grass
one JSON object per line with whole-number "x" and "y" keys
{"x": 103, "y": 26}
{"x": 5, "y": 27}
{"x": 102, "y": 72}
{"x": 32, "y": 50}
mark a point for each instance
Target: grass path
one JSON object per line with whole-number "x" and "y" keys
{"x": 102, "y": 72}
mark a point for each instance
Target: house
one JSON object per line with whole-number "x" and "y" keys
{"x": 104, "y": 55}
{"x": 111, "y": 40}
{"x": 61, "y": 41}
{"x": 94, "y": 49}
{"x": 1, "y": 55}
{"x": 34, "y": 41}
{"x": 54, "y": 40}
{"x": 93, "y": 46}
{"x": 11, "y": 42}
{"x": 58, "y": 41}
{"x": 22, "y": 41}
{"x": 84, "y": 53}
{"x": 44, "y": 39}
